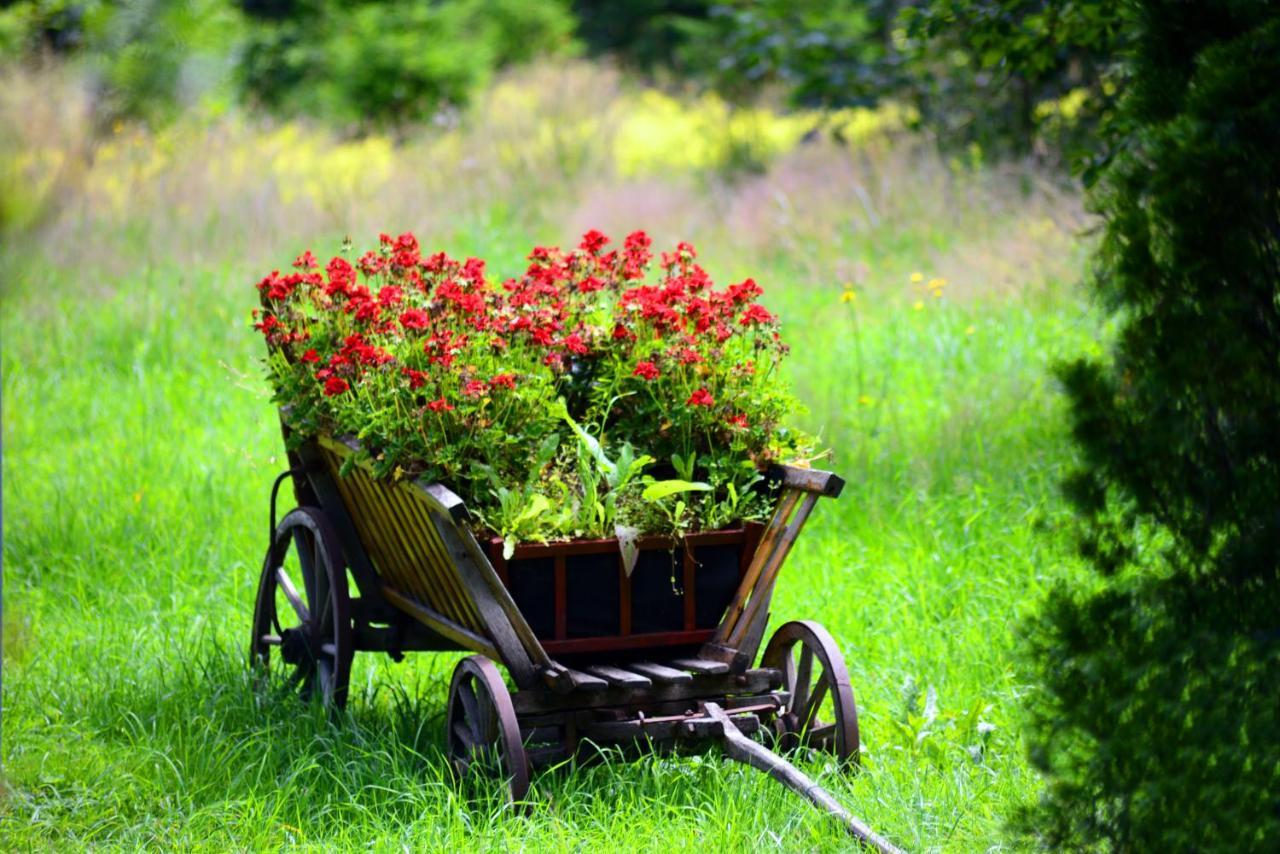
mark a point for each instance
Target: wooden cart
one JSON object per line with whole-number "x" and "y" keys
{"x": 662, "y": 655}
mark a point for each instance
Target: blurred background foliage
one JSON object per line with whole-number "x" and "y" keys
{"x": 1010, "y": 76}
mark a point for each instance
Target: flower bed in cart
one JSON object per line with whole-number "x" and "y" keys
{"x": 609, "y": 426}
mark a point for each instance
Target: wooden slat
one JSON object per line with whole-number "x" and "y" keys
{"x": 786, "y": 503}
{"x": 549, "y": 702}
{"x": 362, "y": 504}
{"x": 617, "y": 676}
{"x": 523, "y": 655}
{"x": 439, "y": 623}
{"x": 611, "y": 643}
{"x": 430, "y": 567}
{"x": 587, "y": 682}
{"x": 700, "y": 665}
{"x": 812, "y": 480}
{"x": 443, "y": 566}
{"x": 756, "y": 608}
{"x": 660, "y": 672}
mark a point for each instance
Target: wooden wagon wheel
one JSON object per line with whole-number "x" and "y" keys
{"x": 310, "y": 629}
{"x": 820, "y": 710}
{"x": 481, "y": 729}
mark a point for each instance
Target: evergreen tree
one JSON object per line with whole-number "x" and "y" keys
{"x": 1159, "y": 724}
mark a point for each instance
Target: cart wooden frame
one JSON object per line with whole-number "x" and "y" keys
{"x": 424, "y": 582}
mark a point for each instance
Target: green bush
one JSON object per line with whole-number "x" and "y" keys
{"x": 358, "y": 61}
{"x": 1159, "y": 724}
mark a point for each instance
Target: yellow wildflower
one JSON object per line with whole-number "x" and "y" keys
{"x": 848, "y": 296}
{"x": 917, "y": 278}
{"x": 969, "y": 330}
{"x": 865, "y": 399}
{"x": 919, "y": 305}
{"x": 937, "y": 284}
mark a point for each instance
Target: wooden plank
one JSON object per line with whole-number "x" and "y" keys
{"x": 330, "y": 498}
{"x": 545, "y": 701}
{"x": 440, "y": 624}
{"x": 443, "y": 571}
{"x": 520, "y": 650}
{"x": 666, "y": 729}
{"x": 617, "y": 643}
{"x": 660, "y": 672}
{"x": 430, "y": 564}
{"x": 587, "y": 682}
{"x": 812, "y": 480}
{"x": 618, "y": 676}
{"x": 786, "y": 503}
{"x": 764, "y": 585}
{"x": 444, "y": 501}
{"x": 700, "y": 665}
{"x": 609, "y": 545}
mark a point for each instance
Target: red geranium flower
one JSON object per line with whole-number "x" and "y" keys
{"x": 739, "y": 421}
{"x": 475, "y": 388}
{"x": 701, "y": 397}
{"x": 646, "y": 371}
{"x": 306, "y": 261}
{"x": 593, "y": 241}
{"x": 439, "y": 405}
{"x": 335, "y": 385}
{"x": 755, "y": 314}
{"x": 415, "y": 318}
{"x": 417, "y": 379}
{"x": 503, "y": 381}
{"x": 311, "y": 356}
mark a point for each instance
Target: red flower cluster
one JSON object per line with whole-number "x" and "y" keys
{"x": 432, "y": 340}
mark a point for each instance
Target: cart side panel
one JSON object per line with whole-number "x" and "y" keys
{"x": 394, "y": 525}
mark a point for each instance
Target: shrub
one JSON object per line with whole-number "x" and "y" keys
{"x": 548, "y": 402}
{"x": 1159, "y": 725}
{"x": 391, "y": 62}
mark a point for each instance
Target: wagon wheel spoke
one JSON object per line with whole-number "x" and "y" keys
{"x": 804, "y": 675}
{"x": 291, "y": 593}
{"x": 471, "y": 712}
{"x": 465, "y": 738}
{"x": 810, "y": 715}
{"x": 820, "y": 709}
{"x": 315, "y": 644}
{"x": 822, "y": 736}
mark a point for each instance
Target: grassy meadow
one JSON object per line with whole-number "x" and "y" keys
{"x": 139, "y": 444}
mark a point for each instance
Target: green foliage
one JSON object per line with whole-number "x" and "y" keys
{"x": 391, "y": 61}
{"x": 1159, "y": 726}
{"x": 643, "y": 33}
{"x": 1001, "y": 74}
{"x": 149, "y": 58}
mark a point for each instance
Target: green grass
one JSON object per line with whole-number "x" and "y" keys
{"x": 139, "y": 446}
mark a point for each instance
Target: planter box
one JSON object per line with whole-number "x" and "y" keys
{"x": 578, "y": 599}
{"x": 575, "y": 595}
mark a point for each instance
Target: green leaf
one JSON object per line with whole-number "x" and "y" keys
{"x": 659, "y": 489}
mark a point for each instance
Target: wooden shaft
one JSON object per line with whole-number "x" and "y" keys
{"x": 742, "y": 749}
{"x": 769, "y": 573}
{"x": 763, "y": 551}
